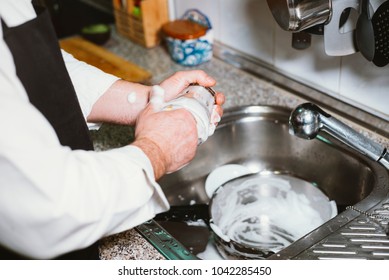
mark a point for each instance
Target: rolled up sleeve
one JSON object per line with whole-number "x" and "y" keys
{"x": 88, "y": 81}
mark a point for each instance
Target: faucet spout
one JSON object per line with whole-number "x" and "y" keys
{"x": 307, "y": 120}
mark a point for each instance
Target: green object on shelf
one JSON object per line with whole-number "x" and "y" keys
{"x": 136, "y": 11}
{"x": 95, "y": 28}
{"x": 97, "y": 33}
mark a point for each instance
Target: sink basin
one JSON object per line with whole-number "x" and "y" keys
{"x": 258, "y": 138}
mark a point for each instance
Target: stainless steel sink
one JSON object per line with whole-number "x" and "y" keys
{"x": 258, "y": 137}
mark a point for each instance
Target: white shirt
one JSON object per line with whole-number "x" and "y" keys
{"x": 54, "y": 200}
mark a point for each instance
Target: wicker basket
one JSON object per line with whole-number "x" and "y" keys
{"x": 141, "y": 21}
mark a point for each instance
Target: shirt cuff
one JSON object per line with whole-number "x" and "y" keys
{"x": 89, "y": 82}
{"x": 139, "y": 157}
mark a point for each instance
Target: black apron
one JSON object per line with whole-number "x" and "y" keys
{"x": 42, "y": 71}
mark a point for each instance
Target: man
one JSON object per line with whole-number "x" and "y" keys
{"x": 58, "y": 196}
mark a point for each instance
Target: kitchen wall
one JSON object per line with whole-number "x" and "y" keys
{"x": 248, "y": 26}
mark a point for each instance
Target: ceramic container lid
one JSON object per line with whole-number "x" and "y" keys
{"x": 184, "y": 29}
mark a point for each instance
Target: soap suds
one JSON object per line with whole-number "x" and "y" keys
{"x": 210, "y": 253}
{"x": 157, "y": 97}
{"x": 131, "y": 97}
{"x": 264, "y": 212}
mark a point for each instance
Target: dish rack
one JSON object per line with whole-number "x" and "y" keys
{"x": 141, "y": 20}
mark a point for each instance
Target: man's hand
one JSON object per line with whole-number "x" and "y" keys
{"x": 181, "y": 80}
{"x": 168, "y": 138}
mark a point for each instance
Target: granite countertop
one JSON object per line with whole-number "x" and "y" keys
{"x": 239, "y": 87}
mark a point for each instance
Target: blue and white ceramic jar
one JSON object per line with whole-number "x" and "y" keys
{"x": 189, "y": 39}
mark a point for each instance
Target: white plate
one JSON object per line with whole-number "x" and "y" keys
{"x": 223, "y": 174}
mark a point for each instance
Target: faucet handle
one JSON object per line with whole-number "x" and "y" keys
{"x": 307, "y": 120}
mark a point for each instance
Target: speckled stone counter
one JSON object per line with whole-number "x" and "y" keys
{"x": 239, "y": 87}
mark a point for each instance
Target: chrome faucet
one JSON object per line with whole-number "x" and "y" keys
{"x": 307, "y": 120}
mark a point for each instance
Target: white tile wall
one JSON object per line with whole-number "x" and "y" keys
{"x": 247, "y": 22}
{"x": 364, "y": 83}
{"x": 312, "y": 66}
{"x": 247, "y": 25}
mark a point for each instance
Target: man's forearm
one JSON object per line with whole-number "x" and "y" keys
{"x": 120, "y": 104}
